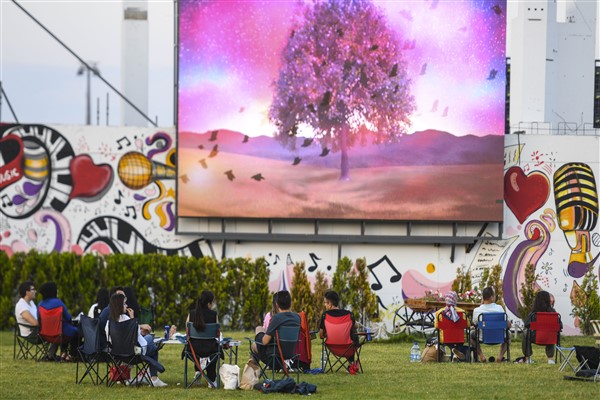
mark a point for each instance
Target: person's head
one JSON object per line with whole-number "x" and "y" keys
{"x": 488, "y": 295}
{"x": 131, "y": 300}
{"x": 205, "y": 300}
{"x": 117, "y": 306}
{"x": 116, "y": 289}
{"x": 27, "y": 290}
{"x": 332, "y": 300}
{"x": 542, "y": 303}
{"x": 49, "y": 290}
{"x": 102, "y": 298}
{"x": 451, "y": 299}
{"x": 284, "y": 300}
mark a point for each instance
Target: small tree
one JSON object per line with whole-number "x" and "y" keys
{"x": 527, "y": 291}
{"x": 320, "y": 287}
{"x": 462, "y": 283}
{"x": 302, "y": 297}
{"x": 586, "y": 304}
{"x": 362, "y": 299}
{"x": 494, "y": 280}
{"x": 341, "y": 278}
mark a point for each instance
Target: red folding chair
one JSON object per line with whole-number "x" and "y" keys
{"x": 453, "y": 333}
{"x": 544, "y": 328}
{"x": 51, "y": 330}
{"x": 339, "y": 344}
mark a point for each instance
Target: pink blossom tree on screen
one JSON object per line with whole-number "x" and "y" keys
{"x": 343, "y": 75}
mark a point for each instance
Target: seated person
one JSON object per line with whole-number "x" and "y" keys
{"x": 332, "y": 301}
{"x": 270, "y": 314}
{"x": 200, "y": 315}
{"x": 488, "y": 306}
{"x": 451, "y": 312}
{"x": 102, "y": 299}
{"x": 120, "y": 312}
{"x": 284, "y": 317}
{"x": 541, "y": 303}
{"x": 25, "y": 309}
{"x": 49, "y": 292}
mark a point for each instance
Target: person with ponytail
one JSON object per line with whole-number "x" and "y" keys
{"x": 201, "y": 313}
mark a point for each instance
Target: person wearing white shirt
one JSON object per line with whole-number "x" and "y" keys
{"x": 488, "y": 306}
{"x": 26, "y": 310}
{"x": 120, "y": 312}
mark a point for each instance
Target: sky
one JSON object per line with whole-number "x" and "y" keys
{"x": 40, "y": 77}
{"x": 230, "y": 55}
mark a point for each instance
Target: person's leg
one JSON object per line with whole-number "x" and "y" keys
{"x": 550, "y": 352}
{"x": 474, "y": 344}
{"x": 151, "y": 352}
{"x": 503, "y": 348}
{"x": 526, "y": 345}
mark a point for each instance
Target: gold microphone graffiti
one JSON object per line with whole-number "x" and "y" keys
{"x": 136, "y": 171}
{"x": 576, "y": 201}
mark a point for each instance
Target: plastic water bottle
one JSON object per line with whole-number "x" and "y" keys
{"x": 167, "y": 328}
{"x": 324, "y": 359}
{"x": 415, "y": 353}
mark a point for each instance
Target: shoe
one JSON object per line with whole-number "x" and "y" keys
{"x": 212, "y": 385}
{"x": 458, "y": 354}
{"x": 158, "y": 383}
{"x": 551, "y": 361}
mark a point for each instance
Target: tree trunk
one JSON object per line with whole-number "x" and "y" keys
{"x": 345, "y": 165}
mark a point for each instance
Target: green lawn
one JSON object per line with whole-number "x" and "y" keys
{"x": 388, "y": 374}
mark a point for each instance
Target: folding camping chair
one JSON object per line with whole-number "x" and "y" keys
{"x": 339, "y": 343}
{"x": 147, "y": 315}
{"x": 91, "y": 354}
{"x": 588, "y": 368}
{"x": 596, "y": 330}
{"x": 492, "y": 328}
{"x": 50, "y": 331}
{"x": 204, "y": 349}
{"x": 453, "y": 333}
{"x": 544, "y": 329}
{"x": 122, "y": 354}
{"x": 281, "y": 353}
{"x": 30, "y": 346}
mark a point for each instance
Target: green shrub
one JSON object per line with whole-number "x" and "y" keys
{"x": 586, "y": 304}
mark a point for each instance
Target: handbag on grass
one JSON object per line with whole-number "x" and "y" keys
{"x": 118, "y": 373}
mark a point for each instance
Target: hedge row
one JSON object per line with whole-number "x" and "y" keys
{"x": 169, "y": 284}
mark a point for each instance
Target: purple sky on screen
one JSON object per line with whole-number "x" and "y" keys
{"x": 230, "y": 55}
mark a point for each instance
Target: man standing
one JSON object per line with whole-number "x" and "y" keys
{"x": 488, "y": 306}
{"x": 26, "y": 310}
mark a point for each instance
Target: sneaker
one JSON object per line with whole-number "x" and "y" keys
{"x": 458, "y": 354}
{"x": 158, "y": 383}
{"x": 212, "y": 385}
{"x": 551, "y": 361}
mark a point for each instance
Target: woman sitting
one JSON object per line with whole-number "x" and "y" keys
{"x": 102, "y": 300}
{"x": 49, "y": 292}
{"x": 200, "y": 315}
{"x": 119, "y": 312}
{"x": 451, "y": 312}
{"x": 542, "y": 303}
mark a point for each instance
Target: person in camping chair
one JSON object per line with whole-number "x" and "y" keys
{"x": 332, "y": 307}
{"x": 284, "y": 317}
{"x": 450, "y": 311}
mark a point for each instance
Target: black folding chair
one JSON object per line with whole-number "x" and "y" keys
{"x": 281, "y": 354}
{"x": 30, "y": 346}
{"x": 90, "y": 353}
{"x": 122, "y": 353}
{"x": 204, "y": 349}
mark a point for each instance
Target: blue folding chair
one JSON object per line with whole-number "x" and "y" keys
{"x": 492, "y": 328}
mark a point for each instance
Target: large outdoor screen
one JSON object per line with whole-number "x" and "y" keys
{"x": 360, "y": 110}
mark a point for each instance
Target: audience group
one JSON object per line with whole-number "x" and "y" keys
{"x": 120, "y": 304}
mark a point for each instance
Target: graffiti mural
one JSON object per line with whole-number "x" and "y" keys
{"x": 109, "y": 190}
{"x": 551, "y": 214}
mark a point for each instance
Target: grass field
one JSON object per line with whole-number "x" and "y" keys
{"x": 388, "y": 374}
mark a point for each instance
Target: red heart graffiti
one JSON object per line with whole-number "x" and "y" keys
{"x": 11, "y": 160}
{"x": 90, "y": 181}
{"x": 525, "y": 193}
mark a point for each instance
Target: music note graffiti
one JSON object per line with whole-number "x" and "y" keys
{"x": 6, "y": 201}
{"x": 314, "y": 259}
{"x": 119, "y": 197}
{"x": 276, "y": 259}
{"x": 395, "y": 278}
{"x": 565, "y": 288}
{"x": 124, "y": 138}
{"x": 133, "y": 214}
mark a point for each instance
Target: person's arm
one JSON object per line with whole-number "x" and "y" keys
{"x": 266, "y": 339}
{"x": 322, "y": 332}
{"x": 145, "y": 329}
{"x": 29, "y": 318}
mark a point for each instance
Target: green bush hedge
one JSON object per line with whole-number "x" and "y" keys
{"x": 169, "y": 284}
